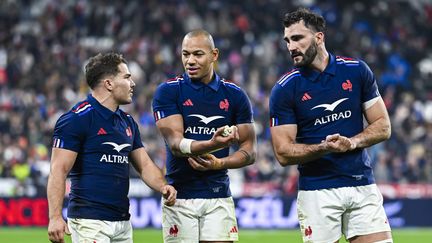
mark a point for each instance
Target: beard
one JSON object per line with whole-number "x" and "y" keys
{"x": 308, "y": 56}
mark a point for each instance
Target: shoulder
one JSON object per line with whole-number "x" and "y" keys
{"x": 287, "y": 78}
{"x": 170, "y": 85}
{"x": 127, "y": 116}
{"x": 75, "y": 117}
{"x": 78, "y": 112}
{"x": 348, "y": 61}
{"x": 230, "y": 84}
{"x": 172, "y": 82}
{"x": 349, "y": 64}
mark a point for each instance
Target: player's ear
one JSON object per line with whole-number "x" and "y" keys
{"x": 319, "y": 37}
{"x": 215, "y": 52}
{"x": 108, "y": 84}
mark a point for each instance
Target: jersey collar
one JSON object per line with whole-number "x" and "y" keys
{"x": 312, "y": 74}
{"x": 105, "y": 112}
{"x": 214, "y": 84}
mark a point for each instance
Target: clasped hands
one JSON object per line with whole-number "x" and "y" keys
{"x": 338, "y": 143}
{"x": 221, "y": 140}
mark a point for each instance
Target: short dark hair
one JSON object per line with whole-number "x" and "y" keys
{"x": 102, "y": 65}
{"x": 311, "y": 20}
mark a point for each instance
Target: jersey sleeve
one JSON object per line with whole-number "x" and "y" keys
{"x": 281, "y": 106}
{"x": 69, "y": 132}
{"x": 369, "y": 84}
{"x": 137, "y": 142}
{"x": 164, "y": 103}
{"x": 244, "y": 112}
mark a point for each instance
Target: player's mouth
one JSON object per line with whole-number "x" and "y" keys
{"x": 297, "y": 54}
{"x": 192, "y": 71}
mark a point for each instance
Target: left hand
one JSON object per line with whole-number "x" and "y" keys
{"x": 169, "y": 193}
{"x": 206, "y": 162}
{"x": 339, "y": 143}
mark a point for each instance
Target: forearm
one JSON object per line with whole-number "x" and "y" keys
{"x": 197, "y": 147}
{"x": 153, "y": 177}
{"x": 238, "y": 159}
{"x": 376, "y": 132}
{"x": 55, "y": 194}
{"x": 293, "y": 153}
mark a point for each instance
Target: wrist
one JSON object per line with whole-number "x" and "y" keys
{"x": 354, "y": 143}
{"x": 185, "y": 146}
{"x": 56, "y": 216}
{"x": 220, "y": 164}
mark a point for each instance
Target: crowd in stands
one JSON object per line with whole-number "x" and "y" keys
{"x": 44, "y": 46}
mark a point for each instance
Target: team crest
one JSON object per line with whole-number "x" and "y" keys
{"x": 128, "y": 132}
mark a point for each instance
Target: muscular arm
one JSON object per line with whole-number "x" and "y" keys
{"x": 172, "y": 130}
{"x": 152, "y": 175}
{"x": 379, "y": 128}
{"x": 147, "y": 170}
{"x": 288, "y": 152}
{"x": 246, "y": 153}
{"x": 62, "y": 161}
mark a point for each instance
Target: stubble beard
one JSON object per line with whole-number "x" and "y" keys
{"x": 309, "y": 56}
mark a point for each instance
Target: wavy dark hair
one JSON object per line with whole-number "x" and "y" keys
{"x": 312, "y": 20}
{"x": 102, "y": 65}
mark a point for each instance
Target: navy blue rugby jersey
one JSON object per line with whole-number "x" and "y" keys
{"x": 322, "y": 104}
{"x": 100, "y": 176}
{"x": 204, "y": 109}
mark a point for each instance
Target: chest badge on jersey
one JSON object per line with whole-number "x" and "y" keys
{"x": 101, "y": 131}
{"x": 306, "y": 96}
{"x": 188, "y": 102}
{"x": 129, "y": 132}
{"x": 347, "y": 85}
{"x": 224, "y": 104}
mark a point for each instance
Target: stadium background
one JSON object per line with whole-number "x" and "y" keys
{"x": 45, "y": 44}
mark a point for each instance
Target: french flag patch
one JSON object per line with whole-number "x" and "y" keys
{"x": 58, "y": 143}
{"x": 158, "y": 115}
{"x": 274, "y": 122}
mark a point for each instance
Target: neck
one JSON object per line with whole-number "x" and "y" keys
{"x": 104, "y": 98}
{"x": 208, "y": 78}
{"x": 321, "y": 60}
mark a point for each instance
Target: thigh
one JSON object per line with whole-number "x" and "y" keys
{"x": 123, "y": 233}
{"x": 367, "y": 215}
{"x": 89, "y": 230}
{"x": 218, "y": 222}
{"x": 180, "y": 222}
{"x": 320, "y": 215}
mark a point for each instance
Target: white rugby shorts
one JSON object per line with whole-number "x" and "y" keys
{"x": 194, "y": 220}
{"x": 100, "y": 231}
{"x": 324, "y": 215}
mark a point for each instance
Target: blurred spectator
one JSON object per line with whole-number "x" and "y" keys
{"x": 45, "y": 44}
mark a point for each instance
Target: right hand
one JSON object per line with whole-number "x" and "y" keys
{"x": 338, "y": 143}
{"x": 206, "y": 162}
{"x": 224, "y": 141}
{"x": 57, "y": 227}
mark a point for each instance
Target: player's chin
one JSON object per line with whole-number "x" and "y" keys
{"x": 126, "y": 101}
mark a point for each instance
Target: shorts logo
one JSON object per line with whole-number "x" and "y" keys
{"x": 308, "y": 232}
{"x": 234, "y": 229}
{"x": 224, "y": 105}
{"x": 173, "y": 231}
